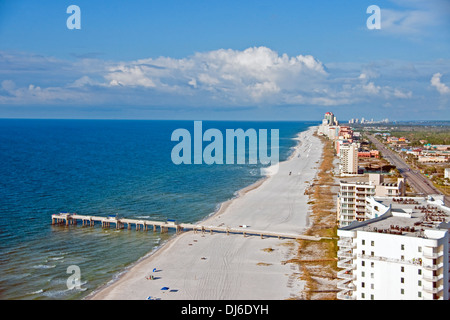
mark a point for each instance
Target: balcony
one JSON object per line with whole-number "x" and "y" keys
{"x": 433, "y": 278}
{"x": 346, "y": 244}
{"x": 343, "y": 254}
{"x": 433, "y": 290}
{"x": 346, "y": 264}
{"x": 345, "y": 296}
{"x": 345, "y": 285}
{"x": 346, "y": 275}
{"x": 433, "y": 267}
{"x": 432, "y": 255}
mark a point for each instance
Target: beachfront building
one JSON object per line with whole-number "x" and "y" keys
{"x": 331, "y": 119}
{"x": 343, "y": 142}
{"x": 352, "y": 197}
{"x": 348, "y": 159}
{"x": 329, "y": 127}
{"x": 402, "y": 253}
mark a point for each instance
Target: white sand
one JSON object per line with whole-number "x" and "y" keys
{"x": 220, "y": 267}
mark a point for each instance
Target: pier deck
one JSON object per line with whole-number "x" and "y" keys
{"x": 145, "y": 225}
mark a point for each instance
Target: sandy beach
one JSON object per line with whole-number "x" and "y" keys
{"x": 196, "y": 266}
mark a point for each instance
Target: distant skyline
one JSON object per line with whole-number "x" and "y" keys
{"x": 225, "y": 60}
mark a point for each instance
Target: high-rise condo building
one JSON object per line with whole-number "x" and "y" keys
{"x": 402, "y": 253}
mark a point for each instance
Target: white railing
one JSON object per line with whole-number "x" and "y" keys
{"x": 433, "y": 278}
{"x": 433, "y": 267}
{"x": 433, "y": 290}
{"x": 413, "y": 261}
{"x": 346, "y": 256}
{"x": 432, "y": 255}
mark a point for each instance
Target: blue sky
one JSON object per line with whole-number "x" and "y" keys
{"x": 249, "y": 60}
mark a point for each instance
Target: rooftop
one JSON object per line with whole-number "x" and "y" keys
{"x": 409, "y": 216}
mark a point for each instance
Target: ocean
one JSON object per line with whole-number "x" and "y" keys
{"x": 102, "y": 167}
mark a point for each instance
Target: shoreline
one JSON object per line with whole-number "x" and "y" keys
{"x": 130, "y": 283}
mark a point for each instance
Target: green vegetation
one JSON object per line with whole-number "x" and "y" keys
{"x": 430, "y": 135}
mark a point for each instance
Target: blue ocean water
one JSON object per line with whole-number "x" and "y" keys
{"x": 101, "y": 167}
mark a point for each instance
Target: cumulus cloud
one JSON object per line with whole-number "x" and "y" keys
{"x": 440, "y": 87}
{"x": 249, "y": 75}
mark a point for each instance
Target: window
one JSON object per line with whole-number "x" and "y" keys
{"x": 372, "y": 243}
{"x": 363, "y": 295}
{"x": 372, "y": 297}
{"x": 402, "y": 280}
{"x": 402, "y": 291}
{"x": 363, "y": 263}
{"x": 419, "y": 271}
{"x": 419, "y": 294}
{"x": 419, "y": 283}
{"x": 402, "y": 247}
{"x": 402, "y": 269}
{"x": 363, "y": 284}
{"x": 419, "y": 249}
{"x": 372, "y": 264}
{"x": 363, "y": 242}
{"x": 363, "y": 274}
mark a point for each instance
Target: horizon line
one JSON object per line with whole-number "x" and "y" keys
{"x": 197, "y": 119}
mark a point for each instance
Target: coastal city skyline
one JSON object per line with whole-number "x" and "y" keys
{"x": 258, "y": 60}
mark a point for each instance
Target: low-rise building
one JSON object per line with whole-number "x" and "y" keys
{"x": 369, "y": 154}
{"x": 433, "y": 159}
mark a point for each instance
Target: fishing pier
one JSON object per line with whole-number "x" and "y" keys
{"x": 67, "y": 219}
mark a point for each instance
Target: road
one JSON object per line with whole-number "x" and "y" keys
{"x": 418, "y": 182}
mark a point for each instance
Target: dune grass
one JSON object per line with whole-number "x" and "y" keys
{"x": 317, "y": 260}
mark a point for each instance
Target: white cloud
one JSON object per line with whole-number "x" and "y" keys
{"x": 246, "y": 76}
{"x": 10, "y": 93}
{"x": 371, "y": 88}
{"x": 133, "y": 75}
{"x": 440, "y": 87}
{"x": 414, "y": 17}
{"x": 256, "y": 76}
{"x": 401, "y": 94}
{"x": 405, "y": 22}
